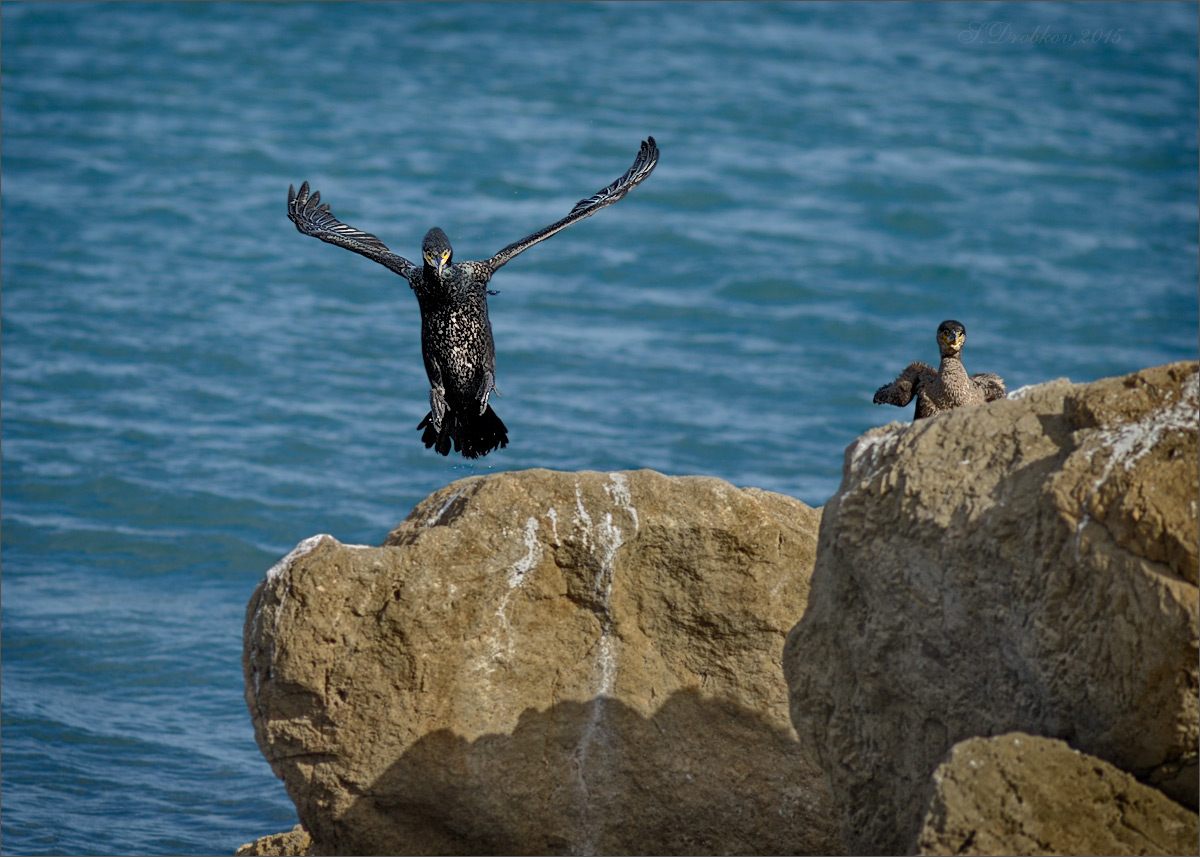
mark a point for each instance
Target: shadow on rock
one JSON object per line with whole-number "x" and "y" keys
{"x": 700, "y": 776}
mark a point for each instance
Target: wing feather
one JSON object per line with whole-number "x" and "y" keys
{"x": 901, "y": 391}
{"x": 992, "y": 385}
{"x": 314, "y": 218}
{"x": 643, "y": 165}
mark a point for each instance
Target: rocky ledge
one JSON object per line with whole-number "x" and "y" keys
{"x": 544, "y": 662}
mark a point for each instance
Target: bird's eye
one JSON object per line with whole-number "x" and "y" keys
{"x": 445, "y": 255}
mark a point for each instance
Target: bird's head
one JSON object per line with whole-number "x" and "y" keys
{"x": 950, "y": 336}
{"x": 436, "y": 250}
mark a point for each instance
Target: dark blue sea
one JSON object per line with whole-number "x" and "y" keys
{"x": 190, "y": 386}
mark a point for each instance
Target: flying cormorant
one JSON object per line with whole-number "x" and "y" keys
{"x": 946, "y": 387}
{"x": 456, "y": 335}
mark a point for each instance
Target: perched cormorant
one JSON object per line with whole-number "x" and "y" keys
{"x": 946, "y": 387}
{"x": 456, "y": 335}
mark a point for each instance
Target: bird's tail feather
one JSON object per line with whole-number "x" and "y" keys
{"x": 474, "y": 438}
{"x": 432, "y": 436}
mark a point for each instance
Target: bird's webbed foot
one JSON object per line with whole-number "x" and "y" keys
{"x": 437, "y": 406}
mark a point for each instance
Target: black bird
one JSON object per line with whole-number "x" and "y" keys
{"x": 456, "y": 335}
{"x": 946, "y": 387}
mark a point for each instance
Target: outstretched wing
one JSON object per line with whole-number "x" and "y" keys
{"x": 643, "y": 165}
{"x": 992, "y": 386}
{"x": 901, "y": 391}
{"x": 314, "y": 219}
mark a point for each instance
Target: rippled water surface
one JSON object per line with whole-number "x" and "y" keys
{"x": 190, "y": 386}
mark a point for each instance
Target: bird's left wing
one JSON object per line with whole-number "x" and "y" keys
{"x": 643, "y": 165}
{"x": 992, "y": 386}
{"x": 313, "y": 218}
{"x": 901, "y": 391}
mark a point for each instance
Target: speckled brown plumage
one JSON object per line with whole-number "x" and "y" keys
{"x": 456, "y": 334}
{"x": 946, "y": 387}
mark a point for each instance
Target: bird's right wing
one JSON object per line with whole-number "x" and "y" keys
{"x": 901, "y": 391}
{"x": 643, "y": 165}
{"x": 992, "y": 385}
{"x": 315, "y": 219}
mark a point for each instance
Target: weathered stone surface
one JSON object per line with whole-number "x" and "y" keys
{"x": 295, "y": 843}
{"x": 543, "y": 662}
{"x": 1021, "y": 794}
{"x": 1028, "y": 565}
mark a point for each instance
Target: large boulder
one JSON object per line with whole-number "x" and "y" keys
{"x": 1024, "y": 795}
{"x": 543, "y": 662}
{"x": 1028, "y": 565}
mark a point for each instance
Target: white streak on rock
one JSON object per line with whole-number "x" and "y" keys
{"x": 606, "y": 661}
{"x": 1083, "y": 522}
{"x": 618, "y": 489}
{"x": 1129, "y": 443}
{"x": 868, "y": 449}
{"x": 1022, "y": 392}
{"x": 281, "y": 571}
{"x": 285, "y": 565}
{"x": 1132, "y": 441}
{"x": 608, "y": 539}
{"x": 533, "y": 552}
{"x": 438, "y": 517}
{"x": 611, "y": 539}
{"x": 499, "y": 648}
{"x": 583, "y": 519}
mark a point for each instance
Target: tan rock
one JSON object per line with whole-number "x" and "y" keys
{"x": 295, "y": 843}
{"x": 543, "y": 662}
{"x": 1020, "y": 794}
{"x": 1028, "y": 565}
